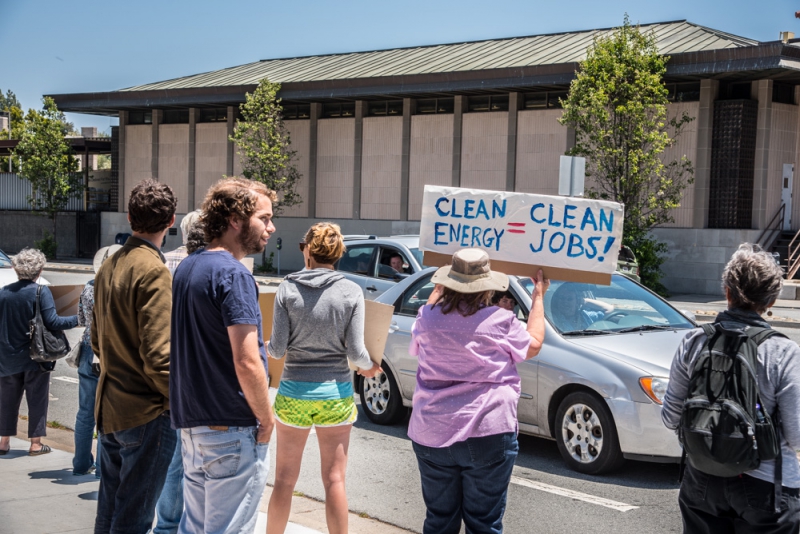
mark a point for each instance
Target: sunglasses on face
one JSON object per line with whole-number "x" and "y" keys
{"x": 302, "y": 245}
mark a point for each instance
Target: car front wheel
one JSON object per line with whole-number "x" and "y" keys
{"x": 380, "y": 398}
{"x": 586, "y": 436}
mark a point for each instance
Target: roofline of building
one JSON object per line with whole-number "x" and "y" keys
{"x": 765, "y": 57}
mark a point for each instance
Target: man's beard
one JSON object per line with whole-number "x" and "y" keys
{"x": 249, "y": 239}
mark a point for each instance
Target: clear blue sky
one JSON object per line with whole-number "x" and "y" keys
{"x": 55, "y": 46}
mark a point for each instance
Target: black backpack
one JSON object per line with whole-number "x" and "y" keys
{"x": 723, "y": 429}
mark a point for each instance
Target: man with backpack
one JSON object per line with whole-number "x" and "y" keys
{"x": 734, "y": 400}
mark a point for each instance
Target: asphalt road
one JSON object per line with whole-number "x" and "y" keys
{"x": 544, "y": 495}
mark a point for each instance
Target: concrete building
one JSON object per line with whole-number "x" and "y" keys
{"x": 372, "y": 128}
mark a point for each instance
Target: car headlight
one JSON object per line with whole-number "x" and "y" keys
{"x": 654, "y": 387}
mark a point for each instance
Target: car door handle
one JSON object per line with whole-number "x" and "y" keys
{"x": 393, "y": 327}
{"x": 372, "y": 288}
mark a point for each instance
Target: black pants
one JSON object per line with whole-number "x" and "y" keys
{"x": 716, "y": 505}
{"x": 36, "y": 386}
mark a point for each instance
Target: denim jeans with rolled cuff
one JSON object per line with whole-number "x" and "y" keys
{"x": 225, "y": 471}
{"x": 467, "y": 481}
{"x": 84, "y": 421}
{"x": 135, "y": 463}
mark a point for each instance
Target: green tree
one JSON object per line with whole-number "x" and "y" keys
{"x": 617, "y": 105}
{"x": 264, "y": 146}
{"x": 48, "y": 162}
{"x": 9, "y": 103}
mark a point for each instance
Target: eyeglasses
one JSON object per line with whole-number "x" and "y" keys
{"x": 302, "y": 245}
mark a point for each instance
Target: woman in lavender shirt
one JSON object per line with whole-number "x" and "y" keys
{"x": 464, "y": 423}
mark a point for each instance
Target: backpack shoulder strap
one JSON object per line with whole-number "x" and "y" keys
{"x": 709, "y": 329}
{"x": 760, "y": 334}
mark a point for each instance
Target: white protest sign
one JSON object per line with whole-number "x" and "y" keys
{"x": 572, "y": 239}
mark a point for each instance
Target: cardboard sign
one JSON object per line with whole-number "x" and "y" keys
{"x": 571, "y": 239}
{"x": 377, "y": 319}
{"x": 66, "y": 298}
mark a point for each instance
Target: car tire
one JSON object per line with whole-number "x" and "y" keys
{"x": 380, "y": 398}
{"x": 586, "y": 435}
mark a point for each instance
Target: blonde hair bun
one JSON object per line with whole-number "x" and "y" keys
{"x": 325, "y": 242}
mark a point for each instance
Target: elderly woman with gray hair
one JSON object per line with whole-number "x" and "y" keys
{"x": 18, "y": 373}
{"x": 745, "y": 503}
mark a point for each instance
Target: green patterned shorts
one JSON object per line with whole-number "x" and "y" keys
{"x": 301, "y": 413}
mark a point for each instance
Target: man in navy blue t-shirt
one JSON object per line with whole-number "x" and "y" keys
{"x": 218, "y": 369}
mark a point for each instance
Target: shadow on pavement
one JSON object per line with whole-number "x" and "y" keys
{"x": 62, "y": 476}
{"x": 10, "y": 455}
{"x": 90, "y": 496}
{"x": 397, "y": 430}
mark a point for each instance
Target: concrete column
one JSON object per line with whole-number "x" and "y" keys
{"x": 458, "y": 119}
{"x": 361, "y": 109}
{"x": 514, "y": 105}
{"x": 409, "y": 108}
{"x": 154, "y": 156}
{"x": 316, "y": 112}
{"x": 193, "y": 114}
{"x": 231, "y": 122}
{"x": 762, "y": 89}
{"x": 709, "y": 91}
{"x": 123, "y": 122}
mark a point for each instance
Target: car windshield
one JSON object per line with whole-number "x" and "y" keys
{"x": 624, "y": 306}
{"x": 418, "y": 256}
{"x": 5, "y": 261}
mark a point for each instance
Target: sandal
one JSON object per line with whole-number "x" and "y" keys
{"x": 44, "y": 450}
{"x": 4, "y": 451}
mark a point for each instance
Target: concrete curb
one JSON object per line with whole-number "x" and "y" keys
{"x": 777, "y": 321}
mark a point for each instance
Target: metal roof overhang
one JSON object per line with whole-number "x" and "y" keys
{"x": 80, "y": 145}
{"x": 769, "y": 60}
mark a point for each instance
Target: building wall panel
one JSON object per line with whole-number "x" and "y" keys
{"x": 138, "y": 157}
{"x": 335, "y": 164}
{"x": 541, "y": 141}
{"x": 211, "y": 157}
{"x": 381, "y": 162}
{"x": 173, "y": 161}
{"x": 782, "y": 149}
{"x": 685, "y": 145}
{"x": 299, "y": 135}
{"x": 431, "y": 157}
{"x": 484, "y": 150}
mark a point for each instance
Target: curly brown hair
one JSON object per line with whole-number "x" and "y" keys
{"x": 325, "y": 243}
{"x": 230, "y": 197}
{"x": 151, "y": 206}
{"x": 464, "y": 303}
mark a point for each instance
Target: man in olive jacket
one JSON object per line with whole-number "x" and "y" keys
{"x": 130, "y": 335}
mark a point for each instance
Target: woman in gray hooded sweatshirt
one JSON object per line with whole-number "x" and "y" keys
{"x": 318, "y": 325}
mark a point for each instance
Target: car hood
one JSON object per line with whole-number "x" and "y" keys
{"x": 652, "y": 352}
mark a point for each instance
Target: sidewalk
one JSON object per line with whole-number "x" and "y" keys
{"x": 39, "y": 494}
{"x": 785, "y": 313}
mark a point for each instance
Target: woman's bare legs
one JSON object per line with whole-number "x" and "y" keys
{"x": 333, "y": 445}
{"x": 288, "y": 457}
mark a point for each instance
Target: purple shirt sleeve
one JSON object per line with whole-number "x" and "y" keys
{"x": 517, "y": 341}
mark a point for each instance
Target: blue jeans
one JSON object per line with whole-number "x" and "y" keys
{"x": 169, "y": 507}
{"x": 135, "y": 463}
{"x": 225, "y": 473}
{"x": 84, "y": 422}
{"x": 467, "y": 480}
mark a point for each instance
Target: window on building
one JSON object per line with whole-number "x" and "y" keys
{"x": 346, "y": 109}
{"x": 734, "y": 91}
{"x": 175, "y": 116}
{"x": 385, "y": 108}
{"x": 545, "y": 100}
{"x": 783, "y": 93}
{"x": 488, "y": 103}
{"x": 296, "y": 111}
{"x": 140, "y": 117}
{"x": 435, "y": 105}
{"x": 683, "y": 92}
{"x": 213, "y": 115}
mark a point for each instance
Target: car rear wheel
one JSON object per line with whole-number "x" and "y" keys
{"x": 380, "y": 398}
{"x": 586, "y": 436}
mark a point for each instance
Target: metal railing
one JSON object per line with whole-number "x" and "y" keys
{"x": 773, "y": 229}
{"x": 793, "y": 257}
{"x": 15, "y": 190}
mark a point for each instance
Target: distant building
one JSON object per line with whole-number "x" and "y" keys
{"x": 372, "y": 128}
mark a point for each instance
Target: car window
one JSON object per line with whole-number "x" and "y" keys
{"x": 357, "y": 259}
{"x": 389, "y": 271}
{"x": 5, "y": 261}
{"x": 622, "y": 306}
{"x": 415, "y": 297}
{"x": 418, "y": 256}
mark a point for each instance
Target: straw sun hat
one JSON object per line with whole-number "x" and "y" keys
{"x": 102, "y": 255}
{"x": 469, "y": 272}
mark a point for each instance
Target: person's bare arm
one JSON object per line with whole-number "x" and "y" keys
{"x": 605, "y": 307}
{"x": 536, "y": 318}
{"x": 252, "y": 376}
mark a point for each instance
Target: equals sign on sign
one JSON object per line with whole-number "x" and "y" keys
{"x": 516, "y": 228}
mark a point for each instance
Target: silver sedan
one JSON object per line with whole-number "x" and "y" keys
{"x": 596, "y": 386}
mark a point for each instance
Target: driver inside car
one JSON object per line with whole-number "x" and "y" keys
{"x": 572, "y": 312}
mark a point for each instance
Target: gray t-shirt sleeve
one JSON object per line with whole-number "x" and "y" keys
{"x": 678, "y": 386}
{"x": 787, "y": 393}
{"x": 279, "y": 339}
{"x": 354, "y": 336}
